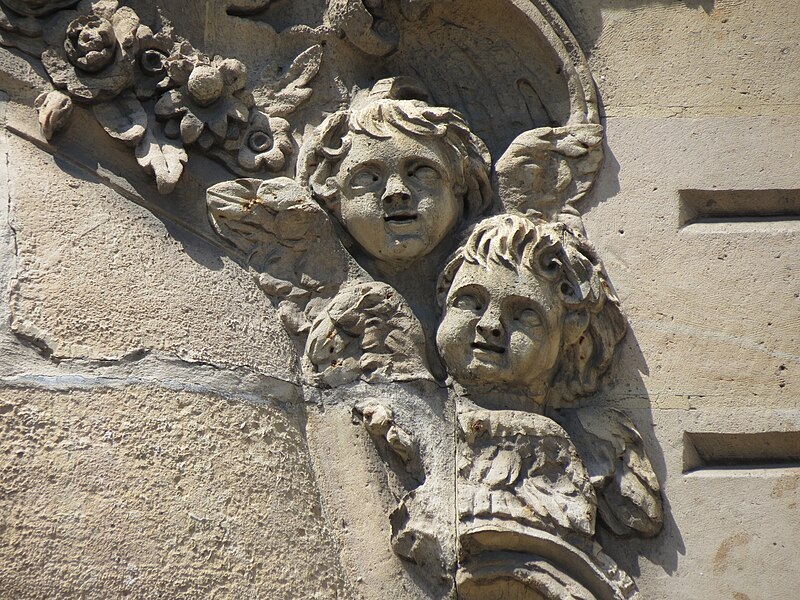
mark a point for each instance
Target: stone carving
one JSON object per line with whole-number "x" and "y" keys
{"x": 55, "y": 110}
{"x": 399, "y": 174}
{"x": 367, "y": 330}
{"x": 363, "y": 213}
{"x": 152, "y": 90}
{"x": 289, "y": 243}
{"x": 529, "y": 320}
{"x": 546, "y": 171}
{"x": 628, "y": 492}
{"x": 526, "y": 512}
{"x": 527, "y": 311}
{"x": 91, "y": 50}
{"x": 369, "y": 24}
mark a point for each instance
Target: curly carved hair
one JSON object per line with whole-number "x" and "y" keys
{"x": 394, "y": 105}
{"x": 562, "y": 259}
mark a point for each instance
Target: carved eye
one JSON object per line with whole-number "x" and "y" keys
{"x": 529, "y": 318}
{"x": 467, "y": 302}
{"x": 365, "y": 178}
{"x": 425, "y": 174}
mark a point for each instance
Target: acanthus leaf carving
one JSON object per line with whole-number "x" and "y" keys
{"x": 123, "y": 118}
{"x": 283, "y": 97}
{"x": 162, "y": 156}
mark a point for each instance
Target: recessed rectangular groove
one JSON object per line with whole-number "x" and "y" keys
{"x": 738, "y": 206}
{"x": 770, "y": 449}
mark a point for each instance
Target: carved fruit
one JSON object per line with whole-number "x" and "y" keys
{"x": 206, "y": 84}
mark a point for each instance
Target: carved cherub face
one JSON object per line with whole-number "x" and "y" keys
{"x": 396, "y": 196}
{"x": 500, "y": 327}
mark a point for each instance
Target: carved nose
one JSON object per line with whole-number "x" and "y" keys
{"x": 396, "y": 192}
{"x": 490, "y": 326}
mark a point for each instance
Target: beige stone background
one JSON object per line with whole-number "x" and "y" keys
{"x": 155, "y": 440}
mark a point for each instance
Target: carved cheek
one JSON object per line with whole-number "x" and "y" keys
{"x": 454, "y": 336}
{"x": 440, "y": 208}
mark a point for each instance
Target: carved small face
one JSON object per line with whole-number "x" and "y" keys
{"x": 397, "y": 198}
{"x": 500, "y": 327}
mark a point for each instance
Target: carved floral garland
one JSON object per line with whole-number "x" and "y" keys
{"x": 153, "y": 90}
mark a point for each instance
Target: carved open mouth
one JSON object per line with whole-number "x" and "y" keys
{"x": 488, "y": 347}
{"x": 400, "y": 218}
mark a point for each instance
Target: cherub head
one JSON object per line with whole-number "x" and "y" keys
{"x": 398, "y": 173}
{"x": 527, "y": 307}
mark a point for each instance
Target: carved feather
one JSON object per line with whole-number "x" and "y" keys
{"x": 628, "y": 492}
{"x": 546, "y": 171}
{"x": 287, "y": 239}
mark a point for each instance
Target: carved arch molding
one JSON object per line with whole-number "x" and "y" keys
{"x": 403, "y": 179}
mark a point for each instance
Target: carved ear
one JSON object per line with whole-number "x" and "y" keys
{"x": 546, "y": 170}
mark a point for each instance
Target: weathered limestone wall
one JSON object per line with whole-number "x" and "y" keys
{"x": 156, "y": 441}
{"x": 703, "y": 96}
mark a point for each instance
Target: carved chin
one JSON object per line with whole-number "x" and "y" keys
{"x": 402, "y": 248}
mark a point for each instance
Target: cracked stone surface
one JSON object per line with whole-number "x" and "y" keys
{"x": 100, "y": 278}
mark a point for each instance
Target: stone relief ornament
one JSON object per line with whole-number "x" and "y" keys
{"x": 397, "y": 173}
{"x": 353, "y": 177}
{"x": 529, "y": 321}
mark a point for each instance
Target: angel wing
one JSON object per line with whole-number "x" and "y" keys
{"x": 546, "y": 171}
{"x": 368, "y": 331}
{"x": 288, "y": 241}
{"x": 628, "y": 492}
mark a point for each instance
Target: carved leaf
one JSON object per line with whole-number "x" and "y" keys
{"x": 123, "y": 118}
{"x": 522, "y": 466}
{"x": 546, "y": 170}
{"x": 292, "y": 90}
{"x": 163, "y": 157}
{"x": 629, "y": 495}
{"x": 367, "y": 331}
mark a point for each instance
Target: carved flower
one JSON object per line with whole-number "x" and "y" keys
{"x": 211, "y": 107}
{"x": 266, "y": 143}
{"x": 91, "y": 50}
{"x": 152, "y": 58}
{"x": 91, "y": 43}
